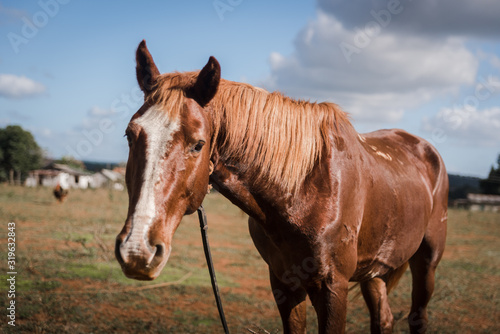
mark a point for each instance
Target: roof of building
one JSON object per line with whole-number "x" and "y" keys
{"x": 483, "y": 199}
{"x": 67, "y": 169}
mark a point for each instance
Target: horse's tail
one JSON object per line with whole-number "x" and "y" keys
{"x": 395, "y": 276}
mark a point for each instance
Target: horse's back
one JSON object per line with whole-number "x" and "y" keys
{"x": 401, "y": 149}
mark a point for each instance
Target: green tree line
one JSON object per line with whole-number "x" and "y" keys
{"x": 19, "y": 153}
{"x": 491, "y": 185}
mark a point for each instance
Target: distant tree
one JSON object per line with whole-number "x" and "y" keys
{"x": 3, "y": 175}
{"x": 491, "y": 185}
{"x": 19, "y": 153}
{"x": 460, "y": 186}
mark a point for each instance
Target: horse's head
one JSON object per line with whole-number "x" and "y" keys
{"x": 169, "y": 162}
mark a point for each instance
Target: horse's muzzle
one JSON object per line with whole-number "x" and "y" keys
{"x": 140, "y": 260}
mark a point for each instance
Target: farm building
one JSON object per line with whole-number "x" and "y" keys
{"x": 479, "y": 202}
{"x": 54, "y": 174}
{"x": 68, "y": 177}
{"x": 110, "y": 178}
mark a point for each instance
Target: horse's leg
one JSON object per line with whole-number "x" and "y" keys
{"x": 330, "y": 303}
{"x": 291, "y": 300}
{"x": 291, "y": 304}
{"x": 423, "y": 266}
{"x": 375, "y": 294}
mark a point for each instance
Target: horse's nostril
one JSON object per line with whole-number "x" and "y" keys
{"x": 118, "y": 254}
{"x": 160, "y": 250}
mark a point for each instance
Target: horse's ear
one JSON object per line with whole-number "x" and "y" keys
{"x": 207, "y": 83}
{"x": 146, "y": 70}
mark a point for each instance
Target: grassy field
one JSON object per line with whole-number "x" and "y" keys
{"x": 69, "y": 282}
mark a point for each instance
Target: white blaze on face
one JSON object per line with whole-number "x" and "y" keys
{"x": 159, "y": 129}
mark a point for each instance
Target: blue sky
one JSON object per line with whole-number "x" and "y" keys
{"x": 67, "y": 70}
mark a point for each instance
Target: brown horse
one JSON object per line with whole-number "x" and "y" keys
{"x": 327, "y": 205}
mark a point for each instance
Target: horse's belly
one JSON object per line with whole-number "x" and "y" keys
{"x": 389, "y": 257}
{"x": 387, "y": 251}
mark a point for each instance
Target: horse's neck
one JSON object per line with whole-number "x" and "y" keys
{"x": 240, "y": 186}
{"x": 234, "y": 187}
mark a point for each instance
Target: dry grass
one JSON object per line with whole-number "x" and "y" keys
{"x": 69, "y": 282}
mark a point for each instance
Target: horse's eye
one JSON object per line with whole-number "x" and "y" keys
{"x": 129, "y": 138}
{"x": 199, "y": 145}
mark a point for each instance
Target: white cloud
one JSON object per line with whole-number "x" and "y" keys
{"x": 9, "y": 15}
{"x": 424, "y": 17}
{"x": 466, "y": 126}
{"x": 13, "y": 86}
{"x": 101, "y": 112}
{"x": 388, "y": 74}
{"x": 95, "y": 118}
{"x": 84, "y": 142}
{"x": 98, "y": 136}
{"x": 47, "y": 132}
{"x": 491, "y": 58}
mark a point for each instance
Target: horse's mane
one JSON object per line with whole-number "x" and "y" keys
{"x": 282, "y": 137}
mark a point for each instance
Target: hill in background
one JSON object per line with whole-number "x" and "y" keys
{"x": 460, "y": 186}
{"x": 95, "y": 166}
